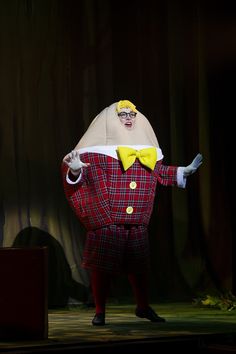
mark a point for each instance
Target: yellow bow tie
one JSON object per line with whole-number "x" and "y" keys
{"x": 147, "y": 157}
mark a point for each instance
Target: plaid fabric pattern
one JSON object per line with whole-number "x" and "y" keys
{"x": 117, "y": 248}
{"x": 103, "y": 194}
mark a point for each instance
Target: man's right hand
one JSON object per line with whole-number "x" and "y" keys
{"x": 74, "y": 163}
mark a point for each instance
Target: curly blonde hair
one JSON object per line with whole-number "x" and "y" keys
{"x": 125, "y": 104}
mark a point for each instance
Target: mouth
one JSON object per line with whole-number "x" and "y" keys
{"x": 129, "y": 125}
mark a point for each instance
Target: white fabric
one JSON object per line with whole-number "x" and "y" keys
{"x": 111, "y": 150}
{"x": 69, "y": 181}
{"x": 181, "y": 179}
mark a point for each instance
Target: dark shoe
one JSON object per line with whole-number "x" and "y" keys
{"x": 99, "y": 319}
{"x": 150, "y": 314}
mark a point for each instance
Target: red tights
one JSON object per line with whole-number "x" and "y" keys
{"x": 101, "y": 282}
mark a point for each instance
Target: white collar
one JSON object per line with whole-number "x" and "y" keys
{"x": 111, "y": 150}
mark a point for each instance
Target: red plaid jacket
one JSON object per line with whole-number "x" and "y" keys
{"x": 106, "y": 194}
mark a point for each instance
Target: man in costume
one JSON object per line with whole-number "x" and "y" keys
{"x": 110, "y": 183}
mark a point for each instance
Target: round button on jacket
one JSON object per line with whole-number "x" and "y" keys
{"x": 133, "y": 185}
{"x": 129, "y": 210}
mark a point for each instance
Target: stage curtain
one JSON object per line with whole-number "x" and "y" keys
{"x": 62, "y": 62}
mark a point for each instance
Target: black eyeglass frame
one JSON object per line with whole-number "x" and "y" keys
{"x": 131, "y": 114}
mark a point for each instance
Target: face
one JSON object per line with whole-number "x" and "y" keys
{"x": 127, "y": 118}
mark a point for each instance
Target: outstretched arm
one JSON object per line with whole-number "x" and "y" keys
{"x": 173, "y": 175}
{"x": 190, "y": 169}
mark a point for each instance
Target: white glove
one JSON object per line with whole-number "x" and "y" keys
{"x": 74, "y": 163}
{"x": 190, "y": 169}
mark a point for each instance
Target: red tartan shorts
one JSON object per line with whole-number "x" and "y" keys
{"x": 117, "y": 249}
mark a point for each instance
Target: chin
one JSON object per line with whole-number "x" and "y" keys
{"x": 129, "y": 127}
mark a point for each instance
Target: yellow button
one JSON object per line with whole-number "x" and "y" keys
{"x": 133, "y": 185}
{"x": 129, "y": 210}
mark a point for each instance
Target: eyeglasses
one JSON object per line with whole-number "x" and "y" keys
{"x": 132, "y": 115}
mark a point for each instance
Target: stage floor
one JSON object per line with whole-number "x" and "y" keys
{"x": 70, "y": 329}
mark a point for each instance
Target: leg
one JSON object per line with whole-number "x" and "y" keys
{"x": 138, "y": 265}
{"x": 100, "y": 286}
{"x": 139, "y": 285}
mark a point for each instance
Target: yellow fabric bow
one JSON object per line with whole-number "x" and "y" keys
{"x": 147, "y": 156}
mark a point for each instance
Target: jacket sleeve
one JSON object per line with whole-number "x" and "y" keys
{"x": 72, "y": 191}
{"x": 166, "y": 175}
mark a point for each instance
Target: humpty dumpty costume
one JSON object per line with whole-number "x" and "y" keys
{"x": 110, "y": 181}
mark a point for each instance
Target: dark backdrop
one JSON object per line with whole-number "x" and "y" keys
{"x": 62, "y": 62}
